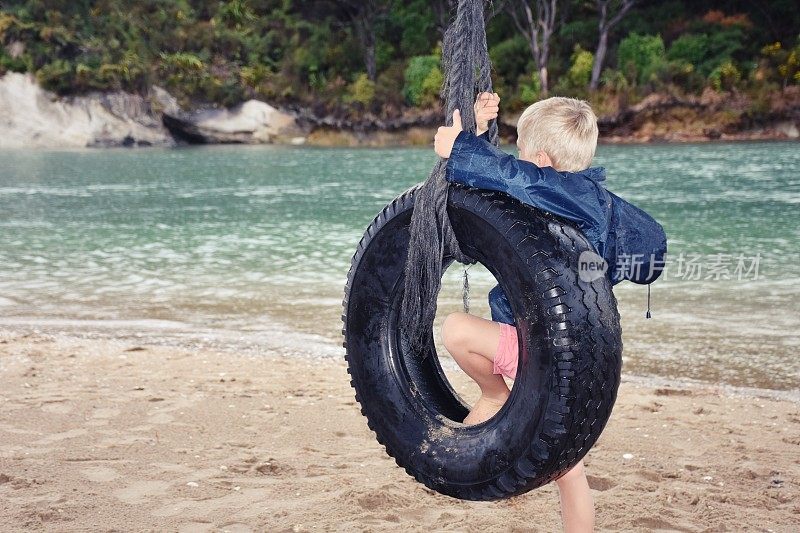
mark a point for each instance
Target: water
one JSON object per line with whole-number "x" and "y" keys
{"x": 255, "y": 242}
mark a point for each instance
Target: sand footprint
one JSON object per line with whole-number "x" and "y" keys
{"x": 659, "y": 524}
{"x": 600, "y": 483}
{"x": 387, "y": 498}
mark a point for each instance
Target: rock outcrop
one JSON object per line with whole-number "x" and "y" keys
{"x": 709, "y": 116}
{"x": 31, "y": 117}
{"x": 253, "y": 122}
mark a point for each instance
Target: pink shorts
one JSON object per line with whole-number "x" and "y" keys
{"x": 507, "y": 355}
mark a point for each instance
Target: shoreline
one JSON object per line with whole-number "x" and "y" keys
{"x": 38, "y": 118}
{"x": 351, "y": 139}
{"x": 610, "y": 141}
{"x": 300, "y": 345}
{"x": 114, "y": 434}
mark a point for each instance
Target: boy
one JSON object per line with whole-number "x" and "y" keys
{"x": 557, "y": 138}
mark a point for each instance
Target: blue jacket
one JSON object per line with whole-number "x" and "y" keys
{"x": 630, "y": 241}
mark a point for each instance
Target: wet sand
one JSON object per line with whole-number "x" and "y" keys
{"x": 105, "y": 434}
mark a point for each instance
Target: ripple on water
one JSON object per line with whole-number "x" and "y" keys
{"x": 249, "y": 238}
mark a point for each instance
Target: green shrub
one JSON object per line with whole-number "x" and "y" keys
{"x": 682, "y": 74}
{"x": 706, "y": 51}
{"x": 576, "y": 80}
{"x": 761, "y": 99}
{"x": 223, "y": 89}
{"x": 384, "y": 52}
{"x": 182, "y": 62}
{"x": 510, "y": 58}
{"x": 57, "y": 76}
{"x": 725, "y": 77}
{"x": 254, "y": 76}
{"x": 614, "y": 80}
{"x": 12, "y": 64}
{"x": 7, "y": 21}
{"x": 781, "y": 64}
{"x": 417, "y": 26}
{"x": 361, "y": 91}
{"x": 530, "y": 89}
{"x": 235, "y": 13}
{"x": 135, "y": 72}
{"x": 186, "y": 73}
{"x": 690, "y": 49}
{"x": 387, "y": 83}
{"x": 639, "y": 57}
{"x": 423, "y": 81}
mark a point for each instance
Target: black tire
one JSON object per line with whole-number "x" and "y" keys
{"x": 570, "y": 352}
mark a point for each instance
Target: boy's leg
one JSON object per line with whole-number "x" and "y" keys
{"x": 577, "y": 504}
{"x": 472, "y": 341}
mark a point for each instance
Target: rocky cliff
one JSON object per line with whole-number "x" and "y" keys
{"x": 31, "y": 117}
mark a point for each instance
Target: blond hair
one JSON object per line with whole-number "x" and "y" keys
{"x": 563, "y": 128}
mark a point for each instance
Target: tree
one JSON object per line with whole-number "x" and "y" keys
{"x": 640, "y": 57}
{"x": 423, "y": 80}
{"x": 364, "y": 15}
{"x": 443, "y": 10}
{"x": 605, "y": 8}
{"x": 536, "y": 23}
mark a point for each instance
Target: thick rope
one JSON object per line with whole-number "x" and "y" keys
{"x": 467, "y": 71}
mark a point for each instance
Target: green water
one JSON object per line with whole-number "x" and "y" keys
{"x": 256, "y": 242}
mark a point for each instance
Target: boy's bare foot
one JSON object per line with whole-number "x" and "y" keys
{"x": 484, "y": 409}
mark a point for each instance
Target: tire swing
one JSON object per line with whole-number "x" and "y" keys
{"x": 569, "y": 357}
{"x": 570, "y": 352}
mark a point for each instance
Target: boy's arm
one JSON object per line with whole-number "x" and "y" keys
{"x": 477, "y": 163}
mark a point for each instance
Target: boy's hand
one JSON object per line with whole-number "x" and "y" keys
{"x": 446, "y": 136}
{"x": 487, "y": 107}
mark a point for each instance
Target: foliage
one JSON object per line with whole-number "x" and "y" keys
{"x": 413, "y": 27}
{"x": 56, "y": 76}
{"x": 725, "y": 77}
{"x": 510, "y": 58}
{"x": 254, "y": 76}
{"x": 680, "y": 74}
{"x": 310, "y": 53}
{"x": 576, "y": 79}
{"x": 706, "y": 52}
{"x": 531, "y": 89}
{"x": 640, "y": 57}
{"x": 235, "y": 13}
{"x": 614, "y": 80}
{"x": 781, "y": 64}
{"x": 12, "y": 64}
{"x": 361, "y": 91}
{"x": 423, "y": 80}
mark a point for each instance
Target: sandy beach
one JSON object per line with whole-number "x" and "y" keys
{"x": 112, "y": 435}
